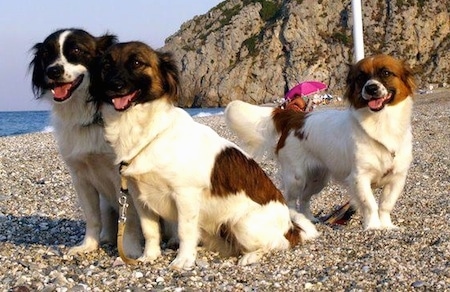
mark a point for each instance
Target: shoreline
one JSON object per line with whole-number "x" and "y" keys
{"x": 40, "y": 219}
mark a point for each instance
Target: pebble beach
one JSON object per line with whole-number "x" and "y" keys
{"x": 40, "y": 219}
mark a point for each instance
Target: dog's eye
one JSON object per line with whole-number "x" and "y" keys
{"x": 361, "y": 78}
{"x": 137, "y": 64}
{"x": 386, "y": 73}
{"x": 106, "y": 66}
{"x": 44, "y": 54}
{"x": 76, "y": 51}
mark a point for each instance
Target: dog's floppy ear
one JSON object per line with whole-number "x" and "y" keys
{"x": 350, "y": 81}
{"x": 408, "y": 76}
{"x": 37, "y": 79}
{"x": 169, "y": 71}
{"x": 104, "y": 42}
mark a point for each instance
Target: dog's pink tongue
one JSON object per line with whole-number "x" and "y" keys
{"x": 61, "y": 91}
{"x": 123, "y": 102}
{"x": 376, "y": 103}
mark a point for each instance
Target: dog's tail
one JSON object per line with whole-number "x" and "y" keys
{"x": 253, "y": 125}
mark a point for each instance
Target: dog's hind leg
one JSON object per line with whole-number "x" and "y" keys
{"x": 251, "y": 257}
{"x": 261, "y": 230}
{"x": 316, "y": 179}
{"x": 300, "y": 188}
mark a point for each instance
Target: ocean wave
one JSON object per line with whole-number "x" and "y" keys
{"x": 48, "y": 129}
{"x": 206, "y": 114}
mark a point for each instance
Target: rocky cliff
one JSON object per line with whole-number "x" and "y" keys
{"x": 255, "y": 50}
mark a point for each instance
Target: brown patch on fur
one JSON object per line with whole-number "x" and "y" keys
{"x": 293, "y": 235}
{"x": 234, "y": 172}
{"x": 287, "y": 120}
{"x": 394, "y": 74}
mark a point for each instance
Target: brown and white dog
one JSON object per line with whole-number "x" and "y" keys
{"x": 183, "y": 171}
{"x": 61, "y": 67}
{"x": 368, "y": 145}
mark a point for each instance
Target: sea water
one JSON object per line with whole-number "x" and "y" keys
{"x": 23, "y": 122}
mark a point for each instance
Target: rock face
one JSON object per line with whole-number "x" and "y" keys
{"x": 256, "y": 50}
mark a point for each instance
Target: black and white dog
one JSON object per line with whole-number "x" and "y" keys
{"x": 61, "y": 67}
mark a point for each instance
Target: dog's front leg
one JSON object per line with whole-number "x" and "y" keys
{"x": 90, "y": 204}
{"x": 109, "y": 218}
{"x": 361, "y": 190}
{"x": 188, "y": 207}
{"x": 388, "y": 198}
{"x": 150, "y": 230}
{"x": 133, "y": 233}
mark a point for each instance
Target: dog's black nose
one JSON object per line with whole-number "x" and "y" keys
{"x": 116, "y": 84}
{"x": 371, "y": 89}
{"x": 55, "y": 72}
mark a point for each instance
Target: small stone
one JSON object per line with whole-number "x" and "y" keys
{"x": 418, "y": 284}
{"x": 118, "y": 262}
{"x": 202, "y": 263}
{"x": 21, "y": 289}
{"x": 309, "y": 285}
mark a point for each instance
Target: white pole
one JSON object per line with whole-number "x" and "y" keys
{"x": 358, "y": 40}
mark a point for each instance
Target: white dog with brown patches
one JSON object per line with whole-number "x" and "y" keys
{"x": 368, "y": 145}
{"x": 183, "y": 171}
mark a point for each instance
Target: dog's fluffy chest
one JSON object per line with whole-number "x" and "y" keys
{"x": 76, "y": 140}
{"x": 382, "y": 160}
{"x": 169, "y": 142}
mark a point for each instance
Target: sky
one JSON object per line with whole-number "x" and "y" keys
{"x": 23, "y": 23}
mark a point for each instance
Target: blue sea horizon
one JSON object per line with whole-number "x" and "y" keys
{"x": 14, "y": 123}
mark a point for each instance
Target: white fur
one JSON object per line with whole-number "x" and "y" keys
{"x": 171, "y": 159}
{"x": 358, "y": 147}
{"x": 90, "y": 160}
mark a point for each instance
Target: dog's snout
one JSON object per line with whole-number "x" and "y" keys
{"x": 371, "y": 89}
{"x": 116, "y": 84}
{"x": 55, "y": 72}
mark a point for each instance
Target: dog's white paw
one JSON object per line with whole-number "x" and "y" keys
{"x": 373, "y": 223}
{"x": 85, "y": 247}
{"x": 386, "y": 222}
{"x": 309, "y": 231}
{"x": 389, "y": 226}
{"x": 182, "y": 263}
{"x": 250, "y": 258}
{"x": 150, "y": 255}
